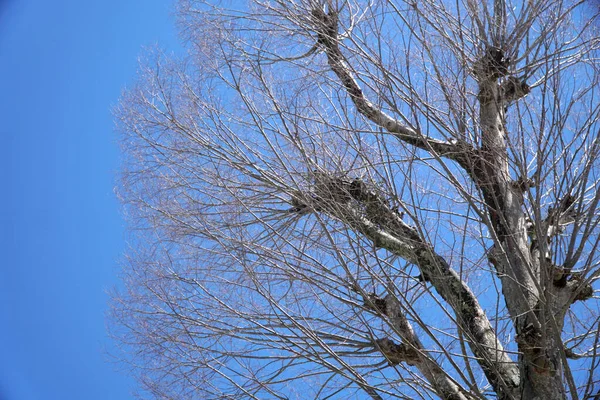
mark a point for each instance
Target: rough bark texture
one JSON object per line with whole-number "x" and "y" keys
{"x": 446, "y": 388}
{"x": 541, "y": 376}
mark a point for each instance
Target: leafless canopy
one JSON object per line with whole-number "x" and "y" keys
{"x": 381, "y": 199}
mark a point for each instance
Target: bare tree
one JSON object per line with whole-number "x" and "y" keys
{"x": 366, "y": 199}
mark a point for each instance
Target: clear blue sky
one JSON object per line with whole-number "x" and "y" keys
{"x": 63, "y": 65}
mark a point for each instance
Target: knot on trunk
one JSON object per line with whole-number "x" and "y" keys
{"x": 375, "y": 303}
{"x": 341, "y": 190}
{"x": 397, "y": 353}
{"x": 522, "y": 184}
{"x": 332, "y": 189}
{"x": 326, "y": 25}
{"x": 493, "y": 65}
{"x": 513, "y": 89}
{"x": 584, "y": 293}
{"x": 529, "y": 337}
{"x": 583, "y": 290}
{"x": 531, "y": 344}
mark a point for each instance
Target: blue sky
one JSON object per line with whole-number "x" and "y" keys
{"x": 63, "y": 65}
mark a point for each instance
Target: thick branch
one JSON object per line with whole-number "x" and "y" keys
{"x": 536, "y": 323}
{"x": 445, "y": 387}
{"x": 327, "y": 30}
{"x": 411, "y": 350}
{"x": 362, "y": 209}
{"x": 498, "y": 367}
{"x": 488, "y": 167}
